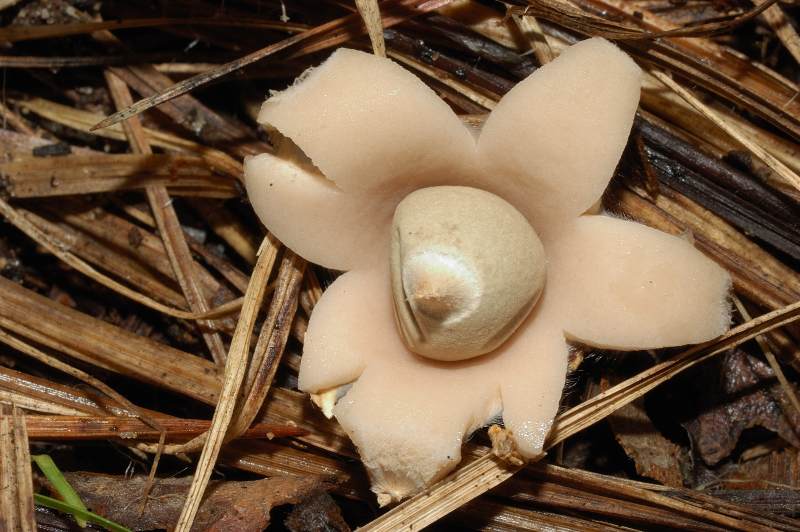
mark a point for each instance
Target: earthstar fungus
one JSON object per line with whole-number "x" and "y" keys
{"x": 469, "y": 261}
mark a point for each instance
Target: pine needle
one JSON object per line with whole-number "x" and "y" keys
{"x": 16, "y": 483}
{"x": 372, "y": 20}
{"x": 201, "y": 79}
{"x": 767, "y": 158}
{"x": 61, "y": 251}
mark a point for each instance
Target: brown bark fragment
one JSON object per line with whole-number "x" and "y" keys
{"x": 745, "y": 396}
{"x": 317, "y": 513}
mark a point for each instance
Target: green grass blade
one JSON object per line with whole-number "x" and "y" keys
{"x": 59, "y": 483}
{"x": 79, "y": 513}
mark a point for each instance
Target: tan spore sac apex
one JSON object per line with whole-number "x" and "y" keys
{"x": 466, "y": 270}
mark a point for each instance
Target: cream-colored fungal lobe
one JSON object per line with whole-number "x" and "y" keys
{"x": 367, "y": 122}
{"x": 466, "y": 268}
{"x": 340, "y": 338}
{"x": 363, "y": 133}
{"x": 622, "y": 285}
{"x": 409, "y": 420}
{"x": 532, "y": 381}
{"x": 308, "y": 212}
{"x": 555, "y": 139}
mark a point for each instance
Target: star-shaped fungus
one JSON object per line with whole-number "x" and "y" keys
{"x": 469, "y": 260}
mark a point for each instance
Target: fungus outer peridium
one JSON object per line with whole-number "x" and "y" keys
{"x": 549, "y": 148}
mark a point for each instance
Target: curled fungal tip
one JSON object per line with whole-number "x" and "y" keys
{"x": 467, "y": 268}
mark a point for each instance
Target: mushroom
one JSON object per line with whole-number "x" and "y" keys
{"x": 445, "y": 319}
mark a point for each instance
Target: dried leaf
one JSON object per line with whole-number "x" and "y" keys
{"x": 776, "y": 17}
{"x": 566, "y": 14}
{"x": 235, "y": 371}
{"x": 83, "y": 120}
{"x": 653, "y": 455}
{"x": 104, "y": 345}
{"x": 229, "y": 506}
{"x": 65, "y": 428}
{"x": 20, "y": 32}
{"x": 744, "y": 397}
{"x": 776, "y": 468}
